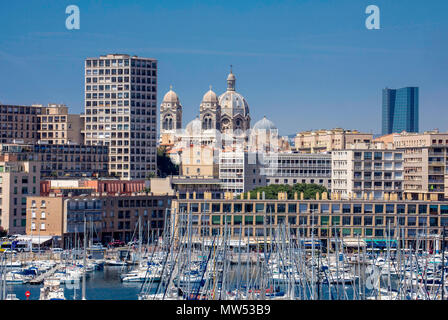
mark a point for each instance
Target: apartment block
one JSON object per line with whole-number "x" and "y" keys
{"x": 19, "y": 124}
{"x": 120, "y": 112}
{"x": 241, "y": 171}
{"x": 19, "y": 178}
{"x": 425, "y": 163}
{"x": 57, "y": 126}
{"x": 107, "y": 216}
{"x": 367, "y": 171}
{"x": 328, "y": 140}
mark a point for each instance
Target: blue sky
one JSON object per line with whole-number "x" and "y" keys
{"x": 305, "y": 64}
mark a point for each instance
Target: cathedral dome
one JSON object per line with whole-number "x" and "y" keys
{"x": 210, "y": 97}
{"x": 264, "y": 124}
{"x": 233, "y": 103}
{"x": 171, "y": 97}
{"x": 194, "y": 127}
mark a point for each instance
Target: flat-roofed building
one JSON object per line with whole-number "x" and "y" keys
{"x": 367, "y": 170}
{"x": 111, "y": 217}
{"x": 120, "y": 112}
{"x": 67, "y": 160}
{"x": 19, "y": 178}
{"x": 256, "y": 220}
{"x": 328, "y": 140}
{"x": 241, "y": 171}
{"x": 425, "y": 163}
{"x": 19, "y": 124}
{"x": 293, "y": 168}
{"x": 57, "y": 126}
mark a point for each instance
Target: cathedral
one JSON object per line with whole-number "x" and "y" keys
{"x": 228, "y": 113}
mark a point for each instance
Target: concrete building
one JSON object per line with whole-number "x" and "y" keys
{"x": 241, "y": 171}
{"x": 367, "y": 170}
{"x": 120, "y": 112}
{"x": 63, "y": 217}
{"x": 108, "y": 216}
{"x": 19, "y": 124}
{"x": 328, "y": 140}
{"x": 293, "y": 168}
{"x": 19, "y": 178}
{"x": 425, "y": 163}
{"x": 418, "y": 222}
{"x": 72, "y": 160}
{"x": 57, "y": 126}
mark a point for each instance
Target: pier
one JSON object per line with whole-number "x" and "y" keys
{"x": 39, "y": 279}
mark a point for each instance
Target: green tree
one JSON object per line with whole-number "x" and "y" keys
{"x": 271, "y": 192}
{"x": 165, "y": 167}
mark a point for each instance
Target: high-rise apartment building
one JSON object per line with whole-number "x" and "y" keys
{"x": 400, "y": 110}
{"x": 120, "y": 112}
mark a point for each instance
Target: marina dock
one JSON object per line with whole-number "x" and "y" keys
{"x": 40, "y": 278}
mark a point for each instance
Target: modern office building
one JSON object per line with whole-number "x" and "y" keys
{"x": 400, "y": 110}
{"x": 120, "y": 112}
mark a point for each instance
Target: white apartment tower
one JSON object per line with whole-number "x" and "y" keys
{"x": 120, "y": 112}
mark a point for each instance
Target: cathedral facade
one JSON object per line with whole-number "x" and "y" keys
{"x": 228, "y": 113}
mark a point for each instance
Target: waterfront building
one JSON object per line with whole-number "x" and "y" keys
{"x": 328, "y": 140}
{"x": 425, "y": 163}
{"x": 57, "y": 126}
{"x": 374, "y": 221}
{"x": 400, "y": 110}
{"x": 111, "y": 217}
{"x": 293, "y": 168}
{"x": 19, "y": 124}
{"x": 19, "y": 178}
{"x": 367, "y": 171}
{"x": 120, "y": 112}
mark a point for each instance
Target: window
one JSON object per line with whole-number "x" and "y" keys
{"x": 42, "y": 226}
{"x": 42, "y": 215}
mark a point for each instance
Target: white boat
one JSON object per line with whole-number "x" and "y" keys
{"x": 115, "y": 263}
{"x": 52, "y": 290}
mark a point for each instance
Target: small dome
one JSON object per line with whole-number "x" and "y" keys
{"x": 171, "y": 96}
{"x": 264, "y": 124}
{"x": 231, "y": 77}
{"x": 195, "y": 126}
{"x": 210, "y": 96}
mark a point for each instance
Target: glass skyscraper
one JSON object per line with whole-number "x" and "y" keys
{"x": 400, "y": 110}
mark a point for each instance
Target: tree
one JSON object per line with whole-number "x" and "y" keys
{"x": 271, "y": 192}
{"x": 165, "y": 167}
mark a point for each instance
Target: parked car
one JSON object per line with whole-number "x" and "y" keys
{"x": 56, "y": 250}
{"x": 10, "y": 251}
{"x": 116, "y": 243}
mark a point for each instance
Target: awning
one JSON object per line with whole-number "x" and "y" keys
{"x": 354, "y": 243}
{"x": 34, "y": 239}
